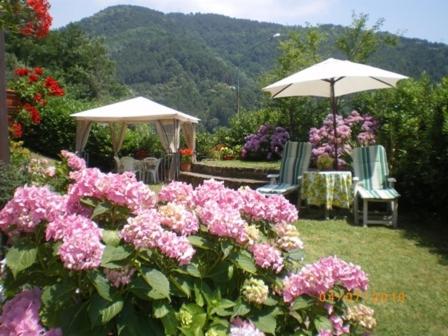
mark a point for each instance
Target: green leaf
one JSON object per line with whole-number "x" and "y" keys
{"x": 266, "y": 323}
{"x": 158, "y": 281}
{"x": 193, "y": 270}
{"x": 199, "y": 242}
{"x": 321, "y": 322}
{"x": 114, "y": 253}
{"x": 131, "y": 323}
{"x": 199, "y": 299}
{"x": 55, "y": 300}
{"x": 20, "y": 257}
{"x": 182, "y": 284}
{"x": 101, "y": 284}
{"x": 99, "y": 210}
{"x": 88, "y": 201}
{"x": 241, "y": 309}
{"x": 102, "y": 311}
{"x": 245, "y": 262}
{"x": 199, "y": 319}
{"x": 301, "y": 303}
{"x": 160, "y": 309}
{"x": 111, "y": 237}
{"x": 170, "y": 323}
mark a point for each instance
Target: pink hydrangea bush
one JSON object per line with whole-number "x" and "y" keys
{"x": 353, "y": 130}
{"x": 109, "y": 254}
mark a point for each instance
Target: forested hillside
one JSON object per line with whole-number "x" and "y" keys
{"x": 191, "y": 62}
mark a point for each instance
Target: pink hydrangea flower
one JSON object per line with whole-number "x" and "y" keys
{"x": 145, "y": 231}
{"x": 211, "y": 190}
{"x": 29, "y": 207}
{"x": 20, "y": 316}
{"x": 241, "y": 327}
{"x": 74, "y": 162}
{"x": 323, "y": 275}
{"x": 177, "y": 218}
{"x": 223, "y": 221}
{"x": 274, "y": 209}
{"x": 338, "y": 326}
{"x": 177, "y": 192}
{"x": 121, "y": 277}
{"x": 81, "y": 241}
{"x": 121, "y": 189}
{"x": 267, "y": 256}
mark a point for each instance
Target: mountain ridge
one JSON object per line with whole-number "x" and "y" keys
{"x": 193, "y": 62}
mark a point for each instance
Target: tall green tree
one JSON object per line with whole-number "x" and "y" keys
{"x": 82, "y": 62}
{"x": 300, "y": 50}
{"x": 359, "y": 41}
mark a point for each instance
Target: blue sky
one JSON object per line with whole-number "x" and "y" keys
{"x": 424, "y": 19}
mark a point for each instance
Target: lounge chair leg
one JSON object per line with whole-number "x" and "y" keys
{"x": 365, "y": 213}
{"x": 299, "y": 203}
{"x": 356, "y": 210}
{"x": 394, "y": 205}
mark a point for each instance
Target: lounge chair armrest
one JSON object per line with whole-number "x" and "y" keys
{"x": 273, "y": 178}
{"x": 391, "y": 181}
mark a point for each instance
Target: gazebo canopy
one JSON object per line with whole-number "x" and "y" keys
{"x": 137, "y": 110}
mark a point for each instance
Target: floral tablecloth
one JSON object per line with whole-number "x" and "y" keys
{"x": 328, "y": 188}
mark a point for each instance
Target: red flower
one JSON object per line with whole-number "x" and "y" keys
{"x": 40, "y": 24}
{"x": 33, "y": 78}
{"x": 33, "y": 112}
{"x": 53, "y": 85}
{"x": 39, "y": 99}
{"x": 21, "y": 72}
{"x": 17, "y": 129}
{"x": 38, "y": 71}
{"x": 186, "y": 152}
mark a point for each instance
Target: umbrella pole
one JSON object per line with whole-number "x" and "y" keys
{"x": 333, "y": 109}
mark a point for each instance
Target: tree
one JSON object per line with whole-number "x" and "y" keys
{"x": 359, "y": 41}
{"x": 80, "y": 61}
{"x": 299, "y": 51}
{"x": 30, "y": 18}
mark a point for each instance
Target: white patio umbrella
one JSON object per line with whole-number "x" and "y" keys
{"x": 333, "y": 78}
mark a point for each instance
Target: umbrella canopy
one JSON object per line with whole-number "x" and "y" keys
{"x": 333, "y": 78}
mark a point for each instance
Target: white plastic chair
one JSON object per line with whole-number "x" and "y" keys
{"x": 150, "y": 169}
{"x": 118, "y": 165}
{"x": 128, "y": 164}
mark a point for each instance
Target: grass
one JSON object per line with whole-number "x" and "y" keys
{"x": 243, "y": 164}
{"x": 412, "y": 260}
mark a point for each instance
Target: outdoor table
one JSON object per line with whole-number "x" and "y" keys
{"x": 327, "y": 188}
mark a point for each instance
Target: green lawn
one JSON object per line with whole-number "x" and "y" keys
{"x": 412, "y": 260}
{"x": 242, "y": 164}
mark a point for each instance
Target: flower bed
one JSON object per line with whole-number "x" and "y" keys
{"x": 106, "y": 256}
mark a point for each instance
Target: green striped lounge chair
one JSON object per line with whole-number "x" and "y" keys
{"x": 372, "y": 184}
{"x": 295, "y": 160}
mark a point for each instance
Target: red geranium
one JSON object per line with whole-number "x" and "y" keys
{"x": 16, "y": 130}
{"x": 33, "y": 89}
{"x": 40, "y": 18}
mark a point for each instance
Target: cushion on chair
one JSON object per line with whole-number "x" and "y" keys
{"x": 383, "y": 194}
{"x": 281, "y": 188}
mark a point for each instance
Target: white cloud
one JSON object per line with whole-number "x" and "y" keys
{"x": 280, "y": 11}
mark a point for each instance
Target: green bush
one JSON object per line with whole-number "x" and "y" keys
{"x": 414, "y": 130}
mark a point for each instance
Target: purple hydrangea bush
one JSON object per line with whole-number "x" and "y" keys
{"x": 266, "y": 144}
{"x": 353, "y": 130}
{"x": 107, "y": 256}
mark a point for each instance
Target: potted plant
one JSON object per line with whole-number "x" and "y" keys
{"x": 185, "y": 159}
{"x": 324, "y": 162}
{"x": 227, "y": 153}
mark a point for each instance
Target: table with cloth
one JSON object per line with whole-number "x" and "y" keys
{"x": 327, "y": 188}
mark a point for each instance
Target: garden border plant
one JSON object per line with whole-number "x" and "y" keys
{"x": 106, "y": 256}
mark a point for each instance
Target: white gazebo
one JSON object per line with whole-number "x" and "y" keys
{"x": 168, "y": 122}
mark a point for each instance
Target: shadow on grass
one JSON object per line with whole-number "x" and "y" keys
{"x": 427, "y": 232}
